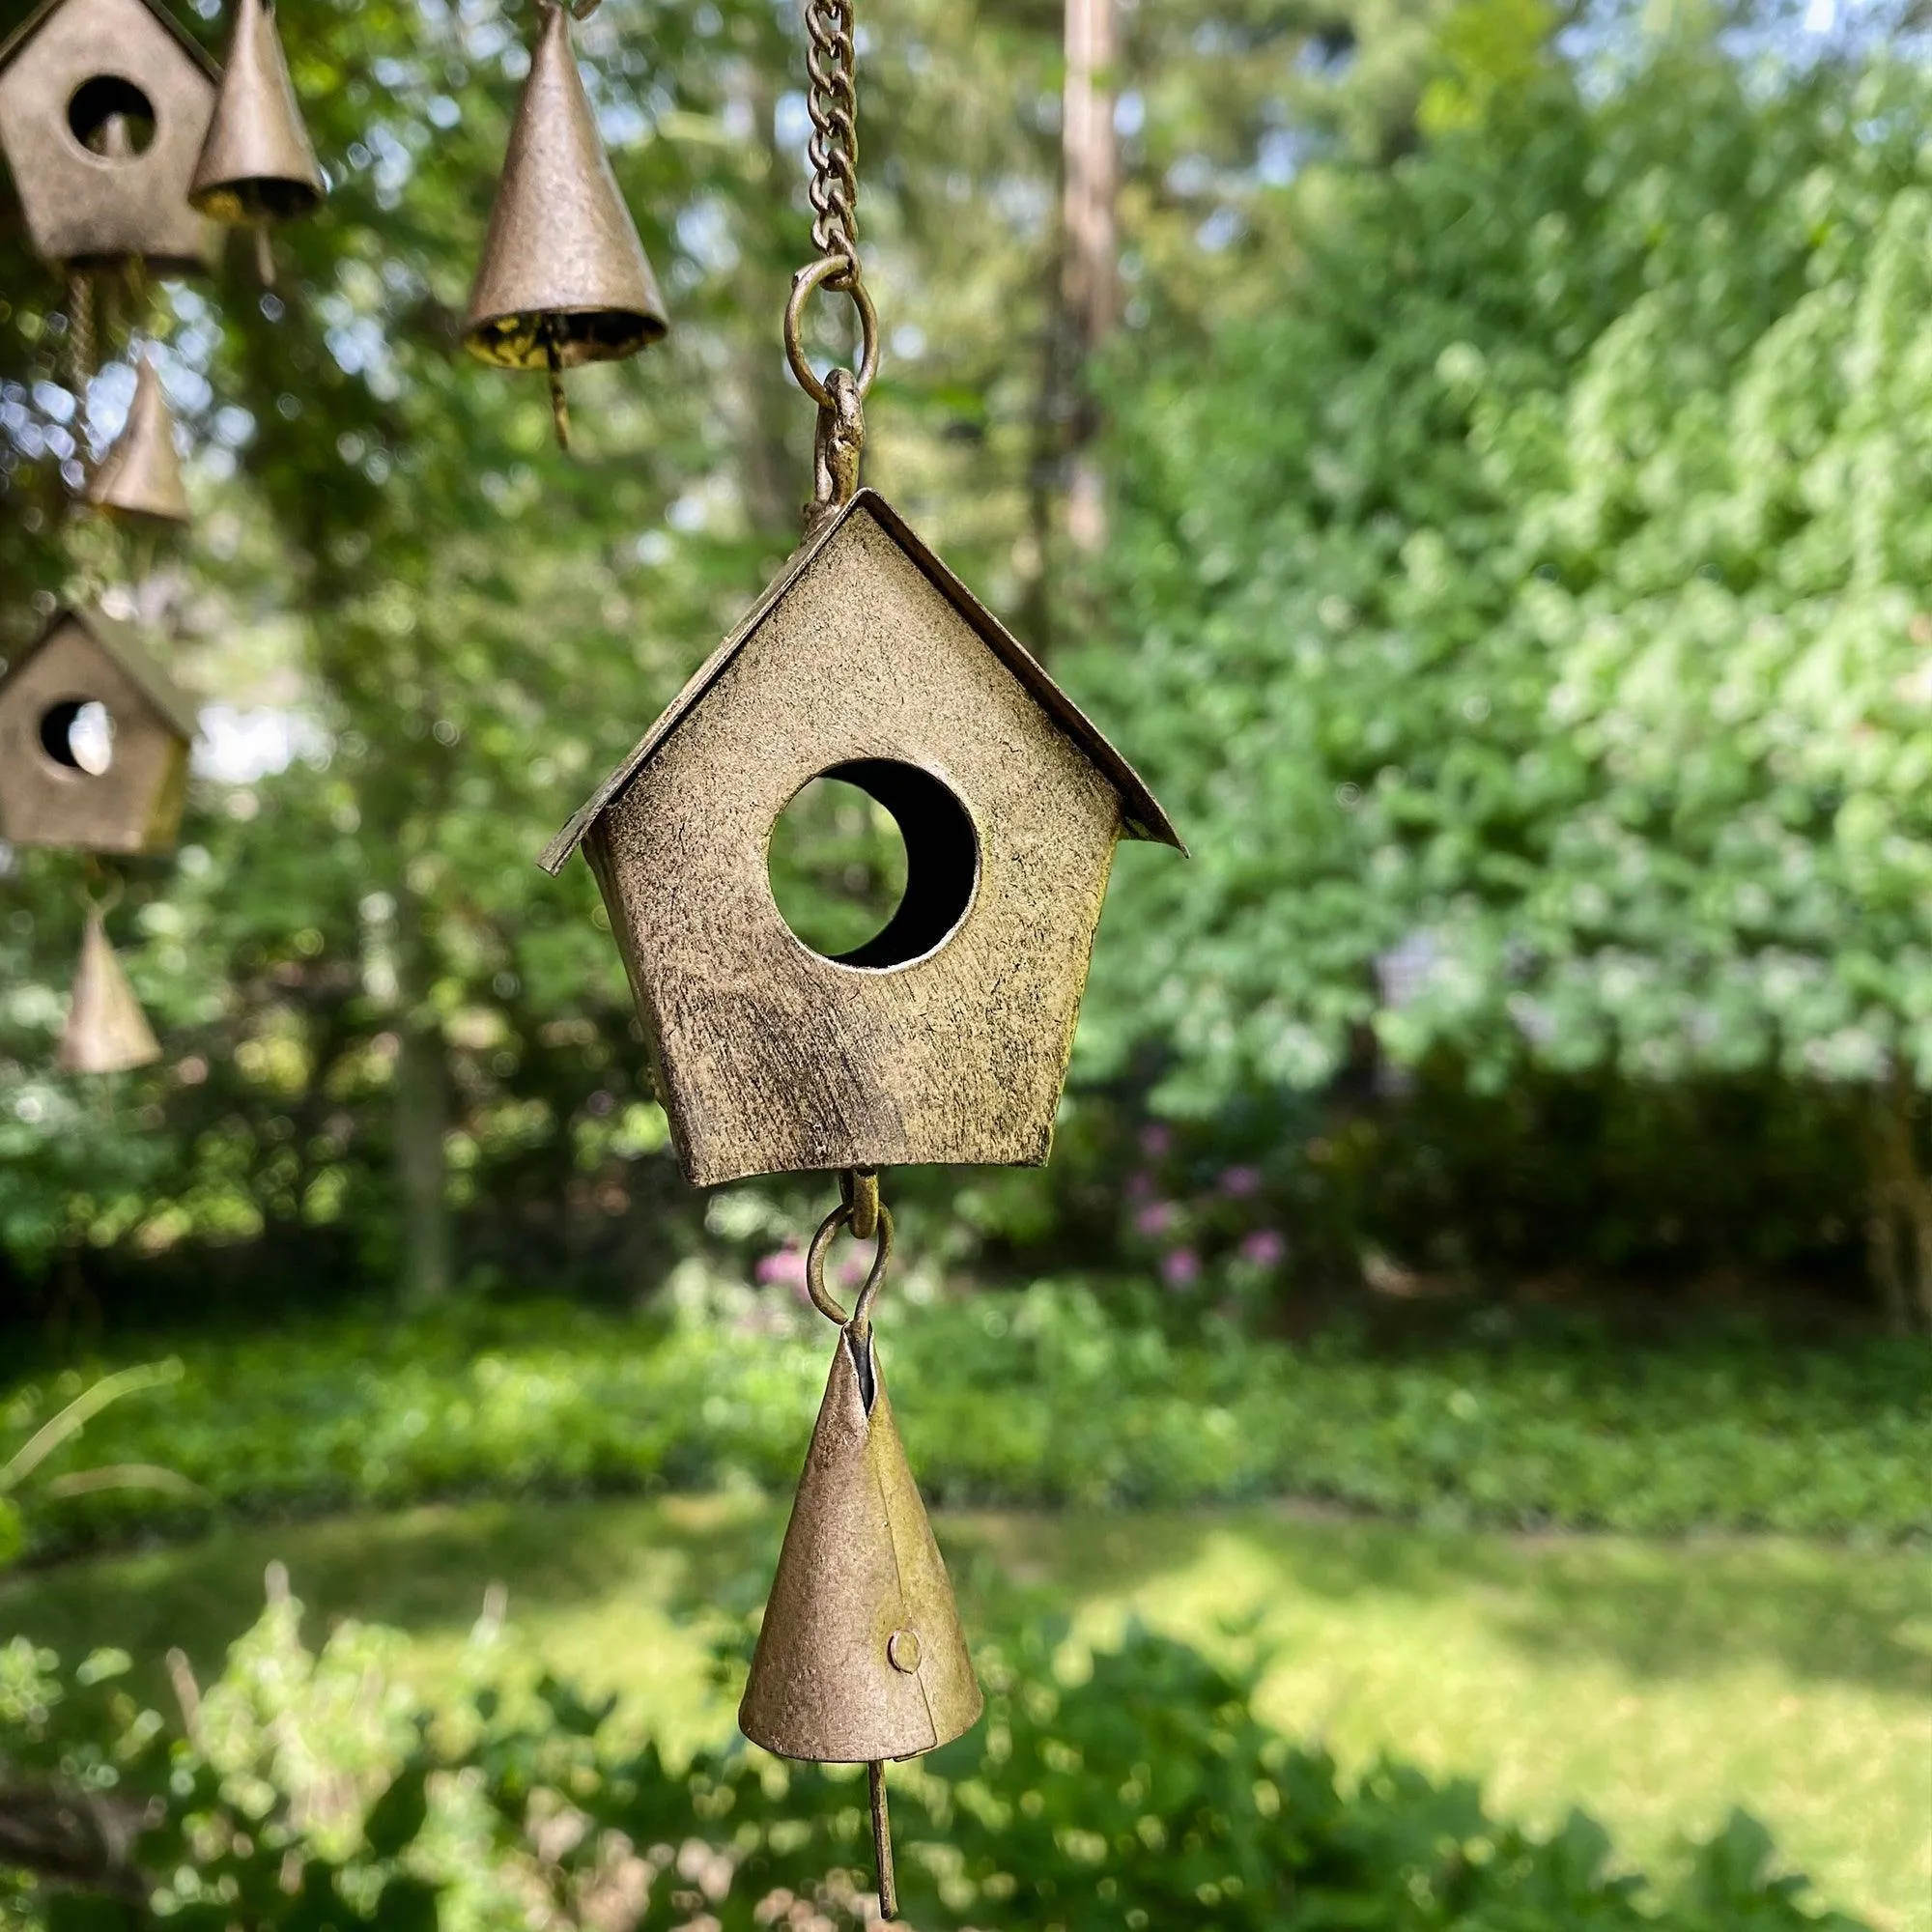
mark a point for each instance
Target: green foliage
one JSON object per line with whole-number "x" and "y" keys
{"x": 1133, "y": 1787}
{"x": 1038, "y": 1399}
{"x": 1526, "y": 610}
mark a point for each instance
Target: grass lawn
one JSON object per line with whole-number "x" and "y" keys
{"x": 1654, "y": 1684}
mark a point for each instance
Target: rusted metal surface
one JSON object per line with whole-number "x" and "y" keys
{"x": 859, "y": 1575}
{"x": 140, "y": 477}
{"x": 133, "y": 806}
{"x": 106, "y": 204}
{"x": 257, "y": 163}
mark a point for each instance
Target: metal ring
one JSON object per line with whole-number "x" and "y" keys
{"x": 815, "y": 277}
{"x": 103, "y": 903}
{"x": 815, "y": 1267}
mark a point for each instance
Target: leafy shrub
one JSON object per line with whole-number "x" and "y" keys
{"x": 1134, "y": 1788}
{"x": 1040, "y": 1399}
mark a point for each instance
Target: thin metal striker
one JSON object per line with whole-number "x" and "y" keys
{"x": 559, "y": 405}
{"x": 882, "y": 1842}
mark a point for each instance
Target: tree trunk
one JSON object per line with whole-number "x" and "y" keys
{"x": 1898, "y": 1224}
{"x": 1091, "y": 267}
{"x": 422, "y": 1114}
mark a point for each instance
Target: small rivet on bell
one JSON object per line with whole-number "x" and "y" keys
{"x": 902, "y": 1651}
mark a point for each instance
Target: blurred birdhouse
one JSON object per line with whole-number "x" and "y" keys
{"x": 105, "y": 106}
{"x": 94, "y": 741}
{"x": 945, "y": 1038}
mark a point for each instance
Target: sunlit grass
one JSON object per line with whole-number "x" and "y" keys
{"x": 1654, "y": 1684}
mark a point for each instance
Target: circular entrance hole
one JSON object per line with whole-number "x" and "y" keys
{"x": 111, "y": 117}
{"x": 78, "y": 735}
{"x": 874, "y": 862}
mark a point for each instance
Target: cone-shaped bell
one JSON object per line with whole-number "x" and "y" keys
{"x": 106, "y": 1031}
{"x": 860, "y": 1657}
{"x": 256, "y": 164}
{"x": 563, "y": 278}
{"x": 141, "y": 475}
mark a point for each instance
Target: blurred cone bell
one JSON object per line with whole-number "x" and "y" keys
{"x": 256, "y": 164}
{"x": 106, "y": 1031}
{"x": 563, "y": 278}
{"x": 861, "y": 1658}
{"x": 140, "y": 476}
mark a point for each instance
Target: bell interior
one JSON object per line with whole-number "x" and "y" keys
{"x": 580, "y": 335}
{"x": 259, "y": 200}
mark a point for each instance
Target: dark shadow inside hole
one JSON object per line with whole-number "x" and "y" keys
{"x": 78, "y": 735}
{"x": 942, "y": 859}
{"x": 111, "y": 117}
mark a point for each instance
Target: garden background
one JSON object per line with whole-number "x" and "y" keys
{"x": 1476, "y": 1327}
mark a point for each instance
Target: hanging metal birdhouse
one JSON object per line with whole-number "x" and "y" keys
{"x": 563, "y": 279}
{"x": 105, "y": 106}
{"x": 140, "y": 477}
{"x": 94, "y": 741}
{"x": 257, "y": 164}
{"x": 945, "y": 1038}
{"x": 107, "y": 1032}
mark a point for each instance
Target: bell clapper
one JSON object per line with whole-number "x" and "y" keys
{"x": 560, "y": 403}
{"x": 265, "y": 255}
{"x": 882, "y": 1840}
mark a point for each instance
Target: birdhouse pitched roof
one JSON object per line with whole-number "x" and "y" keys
{"x": 1140, "y": 812}
{"x": 15, "y": 42}
{"x": 122, "y": 644}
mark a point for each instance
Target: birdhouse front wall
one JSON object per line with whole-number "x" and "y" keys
{"x": 134, "y": 804}
{"x": 87, "y": 208}
{"x": 771, "y": 1058}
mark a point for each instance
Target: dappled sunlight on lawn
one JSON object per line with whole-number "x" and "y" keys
{"x": 1654, "y": 1684}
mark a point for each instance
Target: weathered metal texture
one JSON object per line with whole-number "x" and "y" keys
{"x": 860, "y": 1657}
{"x": 867, "y": 654}
{"x": 563, "y": 278}
{"x": 96, "y": 209}
{"x": 257, "y": 163}
{"x": 133, "y": 806}
{"x": 107, "y": 1032}
{"x": 140, "y": 477}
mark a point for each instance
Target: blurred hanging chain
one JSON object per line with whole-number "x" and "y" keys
{"x": 832, "y": 60}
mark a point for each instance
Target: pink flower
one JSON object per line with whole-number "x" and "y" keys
{"x": 1156, "y": 1140}
{"x": 1140, "y": 1186}
{"x": 1239, "y": 1182}
{"x": 1181, "y": 1268}
{"x": 1156, "y": 1218}
{"x": 1264, "y": 1248}
{"x": 784, "y": 1268}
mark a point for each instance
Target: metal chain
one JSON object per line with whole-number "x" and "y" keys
{"x": 832, "y": 60}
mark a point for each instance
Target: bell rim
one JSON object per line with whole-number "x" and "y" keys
{"x": 514, "y": 338}
{"x": 805, "y": 1755}
{"x": 227, "y": 201}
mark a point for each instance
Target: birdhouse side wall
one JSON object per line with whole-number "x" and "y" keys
{"x": 86, "y": 208}
{"x": 135, "y": 805}
{"x": 771, "y": 1058}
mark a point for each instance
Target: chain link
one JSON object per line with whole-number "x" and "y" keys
{"x": 831, "y": 60}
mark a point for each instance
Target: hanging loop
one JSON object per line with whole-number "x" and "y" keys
{"x": 803, "y": 284}
{"x": 858, "y": 1190}
{"x": 98, "y": 902}
{"x": 859, "y": 1321}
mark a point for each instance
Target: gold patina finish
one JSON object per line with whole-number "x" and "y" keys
{"x": 78, "y": 79}
{"x": 866, "y": 656}
{"x": 106, "y": 1031}
{"x": 859, "y": 1571}
{"x": 257, "y": 163}
{"x": 47, "y": 798}
{"x": 564, "y": 279}
{"x": 140, "y": 478}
